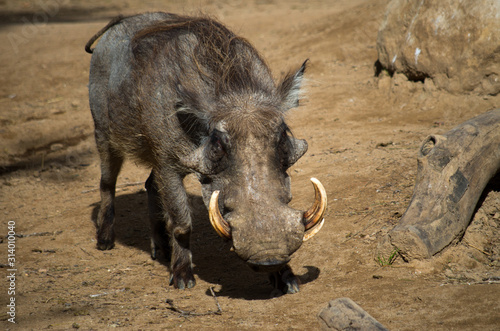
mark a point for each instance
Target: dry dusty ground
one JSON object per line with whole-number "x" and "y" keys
{"x": 363, "y": 133}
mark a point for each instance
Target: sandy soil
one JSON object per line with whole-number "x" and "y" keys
{"x": 363, "y": 133}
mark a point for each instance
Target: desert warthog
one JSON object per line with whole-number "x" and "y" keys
{"x": 186, "y": 95}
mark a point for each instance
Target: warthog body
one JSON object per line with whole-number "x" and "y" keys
{"x": 185, "y": 95}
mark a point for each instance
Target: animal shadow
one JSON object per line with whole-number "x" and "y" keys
{"x": 213, "y": 261}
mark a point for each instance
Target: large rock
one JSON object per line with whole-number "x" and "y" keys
{"x": 455, "y": 43}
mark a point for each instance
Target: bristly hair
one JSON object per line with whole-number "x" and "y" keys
{"x": 226, "y": 60}
{"x": 218, "y": 75}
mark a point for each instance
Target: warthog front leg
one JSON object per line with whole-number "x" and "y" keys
{"x": 284, "y": 282}
{"x": 171, "y": 225}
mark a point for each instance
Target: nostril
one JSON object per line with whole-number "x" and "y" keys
{"x": 227, "y": 209}
{"x": 254, "y": 267}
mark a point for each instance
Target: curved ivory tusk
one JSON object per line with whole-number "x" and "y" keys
{"x": 216, "y": 219}
{"x": 312, "y": 232}
{"x": 313, "y": 218}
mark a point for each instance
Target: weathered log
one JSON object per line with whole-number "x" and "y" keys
{"x": 345, "y": 314}
{"x": 453, "y": 170}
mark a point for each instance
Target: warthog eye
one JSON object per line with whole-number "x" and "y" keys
{"x": 211, "y": 157}
{"x": 284, "y": 148}
{"x": 218, "y": 146}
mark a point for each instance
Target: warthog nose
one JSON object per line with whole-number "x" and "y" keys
{"x": 268, "y": 265}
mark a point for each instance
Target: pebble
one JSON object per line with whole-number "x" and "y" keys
{"x": 56, "y": 147}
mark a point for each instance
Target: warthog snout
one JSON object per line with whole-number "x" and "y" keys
{"x": 266, "y": 243}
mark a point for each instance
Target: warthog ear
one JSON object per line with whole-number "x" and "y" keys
{"x": 188, "y": 111}
{"x": 299, "y": 148}
{"x": 187, "y": 99}
{"x": 289, "y": 88}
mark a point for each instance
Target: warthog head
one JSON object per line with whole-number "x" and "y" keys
{"x": 243, "y": 170}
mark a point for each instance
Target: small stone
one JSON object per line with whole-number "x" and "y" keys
{"x": 56, "y": 147}
{"x": 345, "y": 314}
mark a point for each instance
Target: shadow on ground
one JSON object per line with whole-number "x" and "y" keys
{"x": 52, "y": 12}
{"x": 213, "y": 261}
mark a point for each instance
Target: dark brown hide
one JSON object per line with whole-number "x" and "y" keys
{"x": 186, "y": 95}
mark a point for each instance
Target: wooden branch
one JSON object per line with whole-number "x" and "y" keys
{"x": 185, "y": 313}
{"x": 453, "y": 170}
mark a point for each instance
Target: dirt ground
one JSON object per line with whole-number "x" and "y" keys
{"x": 363, "y": 133}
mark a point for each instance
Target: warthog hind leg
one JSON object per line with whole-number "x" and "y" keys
{"x": 111, "y": 162}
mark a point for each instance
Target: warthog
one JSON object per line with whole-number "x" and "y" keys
{"x": 186, "y": 95}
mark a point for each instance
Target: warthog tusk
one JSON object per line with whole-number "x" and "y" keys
{"x": 216, "y": 219}
{"x": 313, "y": 218}
{"x": 312, "y": 232}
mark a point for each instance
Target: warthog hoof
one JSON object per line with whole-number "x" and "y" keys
{"x": 284, "y": 282}
{"x": 105, "y": 245}
{"x": 182, "y": 279}
{"x": 105, "y": 240}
